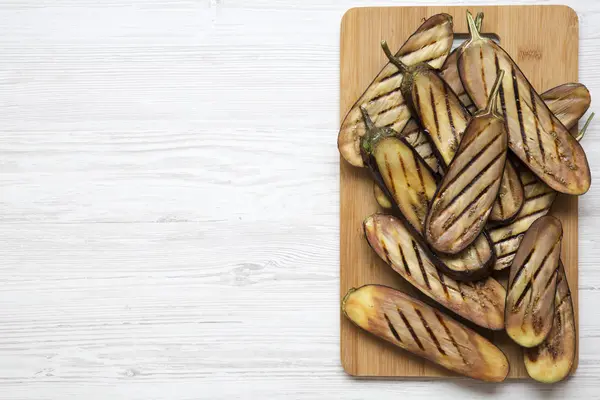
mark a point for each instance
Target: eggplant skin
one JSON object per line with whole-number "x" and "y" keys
{"x": 480, "y": 302}
{"x": 532, "y": 283}
{"x": 464, "y": 199}
{"x": 568, "y": 102}
{"x": 536, "y": 136}
{"x": 424, "y": 331}
{"x": 506, "y": 239}
{"x": 382, "y": 99}
{"x": 552, "y": 360}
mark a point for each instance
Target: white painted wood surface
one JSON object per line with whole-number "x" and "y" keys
{"x": 169, "y": 204}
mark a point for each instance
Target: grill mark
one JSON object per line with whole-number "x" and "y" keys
{"x": 404, "y": 172}
{"x": 501, "y": 91}
{"x": 442, "y": 282}
{"x": 435, "y": 116}
{"x": 523, "y": 267}
{"x": 411, "y": 330}
{"x": 460, "y": 291}
{"x": 522, "y": 296}
{"x": 555, "y": 141}
{"x": 539, "y": 268}
{"x": 419, "y": 172}
{"x": 476, "y": 248}
{"x": 404, "y": 260}
{"x": 550, "y": 280}
{"x": 449, "y": 334}
{"x": 520, "y": 114}
{"x": 511, "y": 254}
{"x": 430, "y": 332}
{"x": 389, "y": 172}
{"x": 544, "y": 211}
{"x": 391, "y": 327}
{"x": 449, "y": 111}
{"x": 539, "y": 196}
{"x": 379, "y": 96}
{"x": 386, "y": 253}
{"x": 471, "y": 184}
{"x": 392, "y": 107}
{"x": 392, "y": 75}
{"x": 473, "y": 160}
{"x": 421, "y": 266}
{"x": 506, "y": 239}
{"x": 537, "y": 128}
{"x": 485, "y": 90}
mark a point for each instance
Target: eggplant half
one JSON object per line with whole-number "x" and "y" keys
{"x": 410, "y": 185}
{"x": 536, "y": 136}
{"x": 552, "y": 360}
{"x": 424, "y": 331}
{"x": 383, "y": 99}
{"x": 480, "y": 302}
{"x": 463, "y": 202}
{"x": 568, "y": 102}
{"x": 532, "y": 283}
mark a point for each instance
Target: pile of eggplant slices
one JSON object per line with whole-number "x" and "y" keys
{"x": 467, "y": 159}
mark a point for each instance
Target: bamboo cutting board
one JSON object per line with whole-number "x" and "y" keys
{"x": 544, "y": 41}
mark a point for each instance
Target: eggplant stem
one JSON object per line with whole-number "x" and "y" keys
{"x": 366, "y": 118}
{"x": 478, "y": 21}
{"x": 472, "y": 27}
{"x": 582, "y": 131}
{"x": 393, "y": 59}
{"x": 492, "y": 99}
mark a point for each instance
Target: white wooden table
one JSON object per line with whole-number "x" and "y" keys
{"x": 169, "y": 204}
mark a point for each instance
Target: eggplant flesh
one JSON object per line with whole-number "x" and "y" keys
{"x": 539, "y": 197}
{"x": 464, "y": 200}
{"x": 383, "y": 99}
{"x": 424, "y": 331}
{"x": 552, "y": 360}
{"x": 511, "y": 196}
{"x": 383, "y": 201}
{"x": 532, "y": 283}
{"x": 536, "y": 136}
{"x": 480, "y": 302}
{"x": 410, "y": 184}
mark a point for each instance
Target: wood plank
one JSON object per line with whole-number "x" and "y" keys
{"x": 539, "y": 38}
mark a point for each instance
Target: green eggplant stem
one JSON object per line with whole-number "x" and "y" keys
{"x": 582, "y": 131}
{"x": 394, "y": 60}
{"x": 473, "y": 31}
{"x": 479, "y": 20}
{"x": 491, "y": 102}
{"x": 366, "y": 118}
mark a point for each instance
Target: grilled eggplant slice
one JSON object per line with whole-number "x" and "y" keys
{"x": 410, "y": 184}
{"x": 511, "y": 196}
{"x": 432, "y": 101}
{"x": 538, "y": 200}
{"x": 536, "y": 136}
{"x": 424, "y": 331}
{"x": 480, "y": 302}
{"x": 532, "y": 283}
{"x": 552, "y": 360}
{"x": 568, "y": 102}
{"x": 383, "y": 100}
{"x": 449, "y": 71}
{"x": 464, "y": 200}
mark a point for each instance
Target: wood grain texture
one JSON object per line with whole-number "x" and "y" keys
{"x": 539, "y": 38}
{"x": 169, "y": 205}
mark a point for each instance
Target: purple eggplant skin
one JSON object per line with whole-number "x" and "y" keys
{"x": 536, "y": 136}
